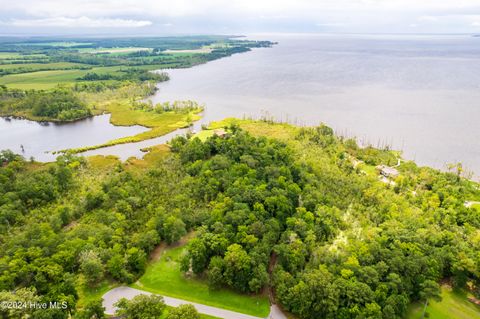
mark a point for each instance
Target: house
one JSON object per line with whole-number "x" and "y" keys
{"x": 388, "y": 171}
{"x": 220, "y": 133}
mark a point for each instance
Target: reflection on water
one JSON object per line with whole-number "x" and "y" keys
{"x": 417, "y": 93}
{"x": 39, "y": 138}
{"x": 124, "y": 151}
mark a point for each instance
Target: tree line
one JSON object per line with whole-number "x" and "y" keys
{"x": 293, "y": 213}
{"x": 58, "y": 104}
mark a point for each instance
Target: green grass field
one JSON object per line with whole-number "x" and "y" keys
{"x": 42, "y": 66}
{"x": 164, "y": 277}
{"x": 9, "y": 55}
{"x": 279, "y": 131}
{"x": 368, "y": 169}
{"x": 203, "y": 135}
{"x": 192, "y": 51}
{"x": 64, "y": 44}
{"x": 49, "y": 79}
{"x": 86, "y": 294}
{"x": 43, "y": 80}
{"x": 124, "y": 50}
{"x": 454, "y": 305}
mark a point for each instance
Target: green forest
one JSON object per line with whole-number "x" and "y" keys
{"x": 51, "y": 80}
{"x": 298, "y": 213}
{"x": 73, "y": 75}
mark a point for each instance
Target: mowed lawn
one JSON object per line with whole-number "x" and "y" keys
{"x": 87, "y": 294}
{"x": 454, "y": 305}
{"x": 164, "y": 277}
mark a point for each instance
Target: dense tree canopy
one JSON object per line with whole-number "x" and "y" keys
{"x": 185, "y": 311}
{"x": 344, "y": 244}
{"x": 141, "y": 307}
{"x": 292, "y": 212}
{"x": 59, "y": 104}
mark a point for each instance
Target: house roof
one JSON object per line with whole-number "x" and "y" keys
{"x": 387, "y": 170}
{"x": 220, "y": 132}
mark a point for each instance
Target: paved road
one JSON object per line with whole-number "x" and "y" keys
{"x": 112, "y": 296}
{"x": 471, "y": 203}
{"x": 276, "y": 313}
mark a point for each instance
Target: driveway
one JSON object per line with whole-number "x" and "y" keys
{"x": 112, "y": 296}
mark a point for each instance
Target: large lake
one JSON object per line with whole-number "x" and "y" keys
{"x": 420, "y": 94}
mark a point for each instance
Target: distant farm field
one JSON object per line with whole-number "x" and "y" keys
{"x": 33, "y": 66}
{"x": 201, "y": 50}
{"x": 9, "y": 55}
{"x": 49, "y": 79}
{"x": 64, "y": 44}
{"x": 114, "y": 50}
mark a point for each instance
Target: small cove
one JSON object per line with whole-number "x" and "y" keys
{"x": 40, "y": 139}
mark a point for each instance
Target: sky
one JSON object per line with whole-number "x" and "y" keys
{"x": 160, "y": 17}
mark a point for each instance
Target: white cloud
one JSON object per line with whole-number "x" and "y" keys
{"x": 81, "y": 22}
{"x": 181, "y": 8}
{"x": 475, "y": 24}
{"x": 332, "y": 25}
{"x": 427, "y": 19}
{"x": 249, "y": 15}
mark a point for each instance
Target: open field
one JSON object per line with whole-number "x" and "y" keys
{"x": 64, "y": 44}
{"x": 204, "y": 134}
{"x": 49, "y": 79}
{"x": 87, "y": 294}
{"x": 164, "y": 277}
{"x": 114, "y": 50}
{"x": 9, "y": 55}
{"x": 40, "y": 80}
{"x": 201, "y": 50}
{"x": 40, "y": 65}
{"x": 34, "y": 66}
{"x": 258, "y": 128}
{"x": 454, "y": 305}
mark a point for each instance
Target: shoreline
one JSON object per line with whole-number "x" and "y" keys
{"x": 154, "y": 132}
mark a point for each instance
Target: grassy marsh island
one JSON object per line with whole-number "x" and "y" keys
{"x": 52, "y": 80}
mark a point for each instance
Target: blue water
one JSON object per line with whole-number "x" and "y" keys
{"x": 420, "y": 94}
{"x": 40, "y": 139}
